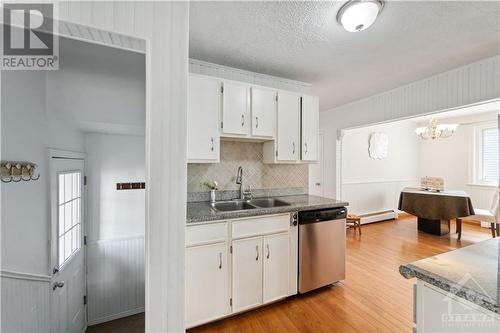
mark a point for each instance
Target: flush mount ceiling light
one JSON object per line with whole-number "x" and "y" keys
{"x": 357, "y": 15}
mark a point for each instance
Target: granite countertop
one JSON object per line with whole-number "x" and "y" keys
{"x": 198, "y": 212}
{"x": 472, "y": 273}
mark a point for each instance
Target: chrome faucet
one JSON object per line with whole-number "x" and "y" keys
{"x": 239, "y": 181}
{"x": 244, "y": 194}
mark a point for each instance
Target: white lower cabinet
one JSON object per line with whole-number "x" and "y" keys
{"x": 207, "y": 283}
{"x": 260, "y": 270}
{"x": 247, "y": 273}
{"x": 276, "y": 273}
{"x": 255, "y": 269}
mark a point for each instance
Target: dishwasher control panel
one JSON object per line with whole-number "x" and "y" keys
{"x": 322, "y": 215}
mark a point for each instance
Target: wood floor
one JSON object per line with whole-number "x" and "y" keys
{"x": 373, "y": 298}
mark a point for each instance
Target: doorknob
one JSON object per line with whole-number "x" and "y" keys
{"x": 57, "y": 284}
{"x": 318, "y": 184}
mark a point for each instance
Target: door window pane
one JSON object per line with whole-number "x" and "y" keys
{"x": 70, "y": 197}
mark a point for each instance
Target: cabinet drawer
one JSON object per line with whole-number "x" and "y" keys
{"x": 206, "y": 234}
{"x": 260, "y": 225}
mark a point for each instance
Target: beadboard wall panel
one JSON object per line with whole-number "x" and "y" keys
{"x": 115, "y": 278}
{"x": 165, "y": 26}
{"x": 471, "y": 84}
{"x": 229, "y": 73}
{"x": 25, "y": 303}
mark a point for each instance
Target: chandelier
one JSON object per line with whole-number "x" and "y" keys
{"x": 435, "y": 131}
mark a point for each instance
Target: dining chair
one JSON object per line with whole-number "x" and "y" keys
{"x": 484, "y": 215}
{"x": 354, "y": 221}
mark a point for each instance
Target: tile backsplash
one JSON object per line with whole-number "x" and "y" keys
{"x": 258, "y": 175}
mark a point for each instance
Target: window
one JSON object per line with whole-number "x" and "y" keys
{"x": 69, "y": 220}
{"x": 486, "y": 165}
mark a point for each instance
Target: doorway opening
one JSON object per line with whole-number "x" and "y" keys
{"x": 466, "y": 160}
{"x": 84, "y": 127}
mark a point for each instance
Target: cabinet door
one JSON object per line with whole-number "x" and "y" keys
{"x": 276, "y": 261}
{"x": 235, "y": 106}
{"x": 207, "y": 283}
{"x": 247, "y": 273}
{"x": 310, "y": 128}
{"x": 203, "y": 119}
{"x": 263, "y": 108}
{"x": 288, "y": 144}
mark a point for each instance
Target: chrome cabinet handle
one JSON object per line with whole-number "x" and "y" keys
{"x": 242, "y": 120}
{"x": 58, "y": 284}
{"x": 268, "y": 251}
{"x": 305, "y": 145}
{"x": 257, "y": 249}
{"x": 293, "y": 145}
{"x": 256, "y": 122}
{"x": 212, "y": 144}
{"x": 220, "y": 260}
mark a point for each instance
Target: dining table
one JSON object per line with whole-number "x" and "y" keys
{"x": 434, "y": 209}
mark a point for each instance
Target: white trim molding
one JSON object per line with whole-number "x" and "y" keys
{"x": 25, "y": 276}
{"x": 229, "y": 73}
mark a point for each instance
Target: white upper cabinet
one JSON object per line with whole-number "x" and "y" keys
{"x": 203, "y": 119}
{"x": 310, "y": 128}
{"x": 263, "y": 109}
{"x": 285, "y": 121}
{"x": 288, "y": 129}
{"x": 235, "y": 109}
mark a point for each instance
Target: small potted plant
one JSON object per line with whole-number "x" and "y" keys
{"x": 212, "y": 186}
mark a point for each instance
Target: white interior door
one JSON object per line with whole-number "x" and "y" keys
{"x": 316, "y": 171}
{"x": 68, "y": 255}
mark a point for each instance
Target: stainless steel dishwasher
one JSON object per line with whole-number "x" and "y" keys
{"x": 321, "y": 247}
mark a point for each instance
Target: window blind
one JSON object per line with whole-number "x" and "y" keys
{"x": 490, "y": 155}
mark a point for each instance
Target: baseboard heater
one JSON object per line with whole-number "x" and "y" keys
{"x": 379, "y": 216}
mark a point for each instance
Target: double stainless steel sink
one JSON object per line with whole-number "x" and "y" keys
{"x": 235, "y": 205}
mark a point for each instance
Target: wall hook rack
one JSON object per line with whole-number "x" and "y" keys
{"x": 16, "y": 171}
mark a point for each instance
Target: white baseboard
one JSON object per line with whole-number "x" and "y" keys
{"x": 115, "y": 316}
{"x": 378, "y": 216}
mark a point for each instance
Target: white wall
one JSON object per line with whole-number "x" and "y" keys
{"x": 452, "y": 158}
{"x": 26, "y": 134}
{"x": 116, "y": 222}
{"x": 372, "y": 185}
{"x": 114, "y": 159}
{"x": 474, "y": 83}
{"x": 98, "y": 88}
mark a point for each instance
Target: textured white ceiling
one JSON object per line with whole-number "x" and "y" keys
{"x": 302, "y": 41}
